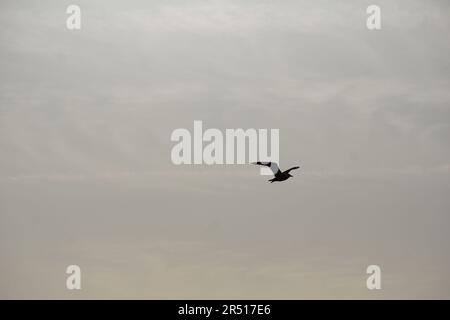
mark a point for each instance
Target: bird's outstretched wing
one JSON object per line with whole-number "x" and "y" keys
{"x": 272, "y": 165}
{"x": 293, "y": 168}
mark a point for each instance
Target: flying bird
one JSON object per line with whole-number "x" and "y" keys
{"x": 279, "y": 175}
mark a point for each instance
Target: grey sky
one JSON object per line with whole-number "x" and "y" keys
{"x": 85, "y": 170}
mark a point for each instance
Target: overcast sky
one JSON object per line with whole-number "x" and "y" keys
{"x": 85, "y": 170}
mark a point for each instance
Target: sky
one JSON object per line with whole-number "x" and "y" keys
{"x": 86, "y": 176}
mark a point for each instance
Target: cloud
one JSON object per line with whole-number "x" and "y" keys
{"x": 85, "y": 124}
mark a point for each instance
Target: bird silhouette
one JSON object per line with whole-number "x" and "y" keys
{"x": 279, "y": 175}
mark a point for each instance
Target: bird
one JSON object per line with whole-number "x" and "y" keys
{"x": 279, "y": 175}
